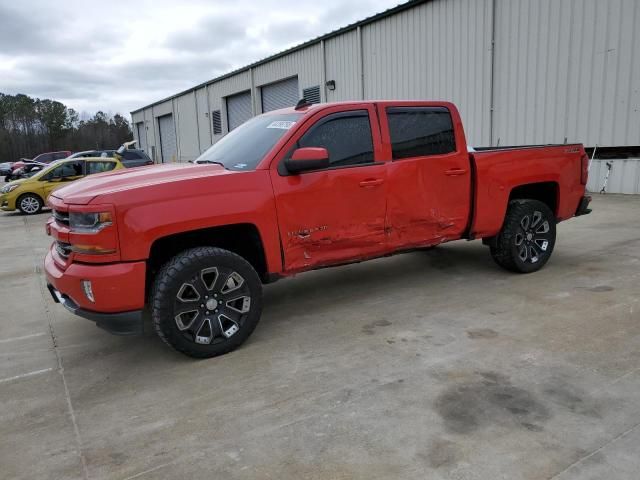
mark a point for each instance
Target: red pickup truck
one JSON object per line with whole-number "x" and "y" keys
{"x": 295, "y": 190}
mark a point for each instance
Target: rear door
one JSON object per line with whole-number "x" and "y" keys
{"x": 336, "y": 214}
{"x": 429, "y": 176}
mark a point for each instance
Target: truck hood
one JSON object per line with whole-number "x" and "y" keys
{"x": 84, "y": 191}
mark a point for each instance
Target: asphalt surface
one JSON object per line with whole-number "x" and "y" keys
{"x": 433, "y": 364}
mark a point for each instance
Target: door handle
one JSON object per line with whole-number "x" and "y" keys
{"x": 371, "y": 182}
{"x": 454, "y": 172}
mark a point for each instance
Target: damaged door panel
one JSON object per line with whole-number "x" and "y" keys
{"x": 429, "y": 177}
{"x": 336, "y": 213}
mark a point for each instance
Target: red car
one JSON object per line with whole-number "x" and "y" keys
{"x": 291, "y": 191}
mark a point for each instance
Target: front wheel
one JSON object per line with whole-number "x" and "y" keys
{"x": 30, "y": 204}
{"x": 206, "y": 301}
{"x": 527, "y": 238}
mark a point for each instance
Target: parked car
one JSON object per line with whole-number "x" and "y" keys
{"x": 42, "y": 158}
{"x": 30, "y": 194}
{"x": 296, "y": 190}
{"x": 5, "y": 168}
{"x": 132, "y": 157}
{"x": 28, "y": 170}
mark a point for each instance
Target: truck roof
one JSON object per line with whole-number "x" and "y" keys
{"x": 320, "y": 106}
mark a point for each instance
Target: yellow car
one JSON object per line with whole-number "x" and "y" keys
{"x": 30, "y": 194}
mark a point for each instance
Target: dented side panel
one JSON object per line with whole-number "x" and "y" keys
{"x": 327, "y": 217}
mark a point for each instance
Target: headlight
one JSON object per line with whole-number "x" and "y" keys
{"x": 89, "y": 222}
{"x": 9, "y": 188}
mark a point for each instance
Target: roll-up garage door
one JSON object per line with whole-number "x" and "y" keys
{"x": 238, "y": 109}
{"x": 167, "y": 138}
{"x": 142, "y": 136}
{"x": 280, "y": 95}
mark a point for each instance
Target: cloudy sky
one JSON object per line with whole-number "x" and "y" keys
{"x": 118, "y": 55}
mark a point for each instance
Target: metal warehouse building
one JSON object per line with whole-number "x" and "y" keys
{"x": 521, "y": 72}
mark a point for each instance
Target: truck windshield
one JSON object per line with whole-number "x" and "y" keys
{"x": 244, "y": 147}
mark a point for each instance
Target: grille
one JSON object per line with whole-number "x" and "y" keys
{"x": 61, "y": 217}
{"x": 63, "y": 249}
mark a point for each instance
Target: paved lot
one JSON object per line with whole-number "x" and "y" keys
{"x": 427, "y": 365}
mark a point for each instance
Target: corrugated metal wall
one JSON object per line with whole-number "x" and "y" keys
{"x": 187, "y": 124}
{"x": 439, "y": 50}
{"x": 559, "y": 68}
{"x": 342, "y": 55}
{"x": 569, "y": 69}
{"x": 624, "y": 176}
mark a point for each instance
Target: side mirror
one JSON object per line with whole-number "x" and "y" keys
{"x": 308, "y": 158}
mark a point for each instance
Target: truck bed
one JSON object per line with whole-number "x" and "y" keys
{"x": 499, "y": 170}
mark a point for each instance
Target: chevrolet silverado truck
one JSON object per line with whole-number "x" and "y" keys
{"x": 295, "y": 190}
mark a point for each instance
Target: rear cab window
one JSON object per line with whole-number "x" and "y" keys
{"x": 420, "y": 131}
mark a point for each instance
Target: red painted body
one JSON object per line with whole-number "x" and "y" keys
{"x": 305, "y": 221}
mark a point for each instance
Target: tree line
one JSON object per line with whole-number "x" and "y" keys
{"x": 30, "y": 126}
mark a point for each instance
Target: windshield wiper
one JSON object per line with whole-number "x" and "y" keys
{"x": 211, "y": 162}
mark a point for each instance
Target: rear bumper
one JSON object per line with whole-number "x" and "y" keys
{"x": 583, "y": 206}
{"x": 118, "y": 291}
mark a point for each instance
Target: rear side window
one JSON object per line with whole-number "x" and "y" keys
{"x": 99, "y": 167}
{"x": 346, "y": 136}
{"x": 420, "y": 131}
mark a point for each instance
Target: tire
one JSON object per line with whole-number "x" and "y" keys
{"x": 29, "y": 204}
{"x": 527, "y": 238}
{"x": 199, "y": 302}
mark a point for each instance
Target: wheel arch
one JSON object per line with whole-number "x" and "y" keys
{"x": 21, "y": 195}
{"x": 243, "y": 239}
{"x": 545, "y": 192}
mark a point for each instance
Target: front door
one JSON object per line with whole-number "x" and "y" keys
{"x": 62, "y": 174}
{"x": 337, "y": 214}
{"x": 429, "y": 177}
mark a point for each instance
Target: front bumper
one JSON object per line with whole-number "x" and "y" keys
{"x": 125, "y": 323}
{"x": 118, "y": 290}
{"x": 7, "y": 202}
{"x": 583, "y": 206}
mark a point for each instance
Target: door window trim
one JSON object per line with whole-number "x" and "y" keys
{"x": 358, "y": 112}
{"x": 407, "y": 109}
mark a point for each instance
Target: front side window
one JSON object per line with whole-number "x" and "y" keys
{"x": 420, "y": 131}
{"x": 68, "y": 169}
{"x": 99, "y": 167}
{"x": 346, "y": 136}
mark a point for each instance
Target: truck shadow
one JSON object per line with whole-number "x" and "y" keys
{"x": 322, "y": 290}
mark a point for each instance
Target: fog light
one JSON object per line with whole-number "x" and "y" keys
{"x": 88, "y": 292}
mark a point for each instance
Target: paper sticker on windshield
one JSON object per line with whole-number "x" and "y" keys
{"x": 282, "y": 124}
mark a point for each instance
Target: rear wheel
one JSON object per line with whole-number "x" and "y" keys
{"x": 527, "y": 238}
{"x": 206, "y": 302}
{"x": 29, "y": 204}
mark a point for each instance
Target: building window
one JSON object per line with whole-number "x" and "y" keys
{"x": 312, "y": 94}
{"x": 420, "y": 131}
{"x": 216, "y": 120}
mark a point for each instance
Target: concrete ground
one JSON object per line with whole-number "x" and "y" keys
{"x": 427, "y": 365}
